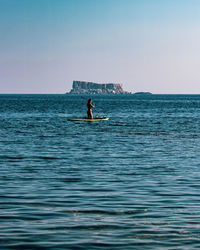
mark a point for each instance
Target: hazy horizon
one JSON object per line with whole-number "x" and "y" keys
{"x": 147, "y": 45}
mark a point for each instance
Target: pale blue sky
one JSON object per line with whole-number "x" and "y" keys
{"x": 148, "y": 45}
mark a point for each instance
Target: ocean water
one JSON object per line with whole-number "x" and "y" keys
{"x": 132, "y": 182}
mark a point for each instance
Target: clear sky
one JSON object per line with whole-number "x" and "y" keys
{"x": 148, "y": 45}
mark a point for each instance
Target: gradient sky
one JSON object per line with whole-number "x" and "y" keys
{"x": 148, "y": 45}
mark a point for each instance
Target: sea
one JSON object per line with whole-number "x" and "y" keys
{"x": 132, "y": 182}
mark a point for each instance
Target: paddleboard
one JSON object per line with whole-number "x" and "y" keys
{"x": 89, "y": 120}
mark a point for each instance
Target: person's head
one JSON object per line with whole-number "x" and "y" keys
{"x": 89, "y": 101}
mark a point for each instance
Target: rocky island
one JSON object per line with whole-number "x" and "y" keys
{"x": 81, "y": 87}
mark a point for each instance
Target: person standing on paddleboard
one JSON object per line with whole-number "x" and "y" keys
{"x": 90, "y": 106}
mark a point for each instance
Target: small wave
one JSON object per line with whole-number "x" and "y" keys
{"x": 47, "y": 157}
{"x": 118, "y": 125}
{"x": 71, "y": 179}
{"x": 9, "y": 157}
{"x": 88, "y": 227}
{"x": 128, "y": 212}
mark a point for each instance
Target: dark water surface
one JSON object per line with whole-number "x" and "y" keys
{"x": 132, "y": 182}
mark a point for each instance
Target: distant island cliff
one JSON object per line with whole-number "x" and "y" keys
{"x": 82, "y": 87}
